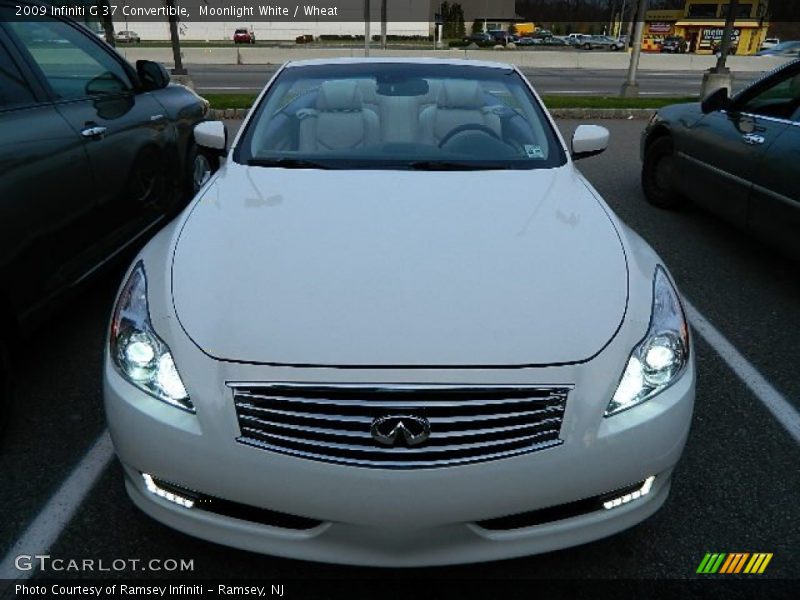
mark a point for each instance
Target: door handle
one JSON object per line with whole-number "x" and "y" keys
{"x": 753, "y": 139}
{"x": 95, "y": 132}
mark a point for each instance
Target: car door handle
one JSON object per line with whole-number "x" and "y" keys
{"x": 753, "y": 139}
{"x": 94, "y": 132}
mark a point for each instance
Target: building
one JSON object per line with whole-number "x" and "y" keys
{"x": 702, "y": 23}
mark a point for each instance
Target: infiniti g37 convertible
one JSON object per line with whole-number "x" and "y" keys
{"x": 351, "y": 348}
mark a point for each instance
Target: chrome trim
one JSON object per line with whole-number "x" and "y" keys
{"x": 426, "y": 464}
{"x": 764, "y": 117}
{"x": 335, "y": 422}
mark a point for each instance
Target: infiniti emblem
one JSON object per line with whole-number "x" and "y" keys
{"x": 392, "y": 430}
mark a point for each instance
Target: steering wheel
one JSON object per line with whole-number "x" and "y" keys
{"x": 469, "y": 127}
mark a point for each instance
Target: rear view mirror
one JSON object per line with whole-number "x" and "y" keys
{"x": 153, "y": 75}
{"x": 716, "y": 100}
{"x": 211, "y": 135}
{"x": 589, "y": 140}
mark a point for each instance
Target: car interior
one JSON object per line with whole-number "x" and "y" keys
{"x": 401, "y": 116}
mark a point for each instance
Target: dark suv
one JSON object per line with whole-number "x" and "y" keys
{"x": 94, "y": 157}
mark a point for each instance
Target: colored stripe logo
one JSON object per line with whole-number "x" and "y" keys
{"x": 735, "y": 562}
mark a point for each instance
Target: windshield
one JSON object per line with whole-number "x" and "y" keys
{"x": 400, "y": 116}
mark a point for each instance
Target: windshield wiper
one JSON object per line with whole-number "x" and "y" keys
{"x": 287, "y": 163}
{"x": 450, "y": 165}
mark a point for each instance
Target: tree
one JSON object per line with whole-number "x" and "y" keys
{"x": 106, "y": 20}
{"x": 477, "y": 26}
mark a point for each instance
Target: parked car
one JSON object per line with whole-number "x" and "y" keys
{"x": 737, "y": 157}
{"x": 95, "y": 155}
{"x": 127, "y": 37}
{"x": 576, "y": 39}
{"x": 769, "y": 43}
{"x": 501, "y": 37}
{"x": 529, "y": 41}
{"x": 244, "y": 36}
{"x": 601, "y": 42}
{"x": 789, "y": 49}
{"x": 479, "y": 38}
{"x": 674, "y": 44}
{"x": 349, "y": 307}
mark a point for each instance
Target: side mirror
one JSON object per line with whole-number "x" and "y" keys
{"x": 589, "y": 140}
{"x": 716, "y": 100}
{"x": 153, "y": 75}
{"x": 211, "y": 135}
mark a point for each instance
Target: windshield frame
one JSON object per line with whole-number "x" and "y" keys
{"x": 558, "y": 156}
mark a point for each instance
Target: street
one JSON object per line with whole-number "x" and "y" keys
{"x": 579, "y": 82}
{"x": 735, "y": 489}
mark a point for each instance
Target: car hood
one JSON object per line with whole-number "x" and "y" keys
{"x": 390, "y": 268}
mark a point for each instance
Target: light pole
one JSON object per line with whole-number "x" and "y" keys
{"x": 720, "y": 76}
{"x": 367, "y": 16}
{"x": 630, "y": 89}
{"x": 384, "y": 21}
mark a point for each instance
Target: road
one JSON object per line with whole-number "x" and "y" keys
{"x": 735, "y": 489}
{"x": 579, "y": 82}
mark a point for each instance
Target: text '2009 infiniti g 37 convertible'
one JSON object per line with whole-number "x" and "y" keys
{"x": 353, "y": 347}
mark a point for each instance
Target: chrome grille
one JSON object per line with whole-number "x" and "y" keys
{"x": 331, "y": 422}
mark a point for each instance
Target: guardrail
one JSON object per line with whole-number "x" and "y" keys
{"x": 567, "y": 59}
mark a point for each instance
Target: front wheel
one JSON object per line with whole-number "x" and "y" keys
{"x": 658, "y": 174}
{"x": 200, "y": 166}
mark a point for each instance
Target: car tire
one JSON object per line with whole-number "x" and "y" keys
{"x": 200, "y": 166}
{"x": 657, "y": 175}
{"x": 587, "y": 46}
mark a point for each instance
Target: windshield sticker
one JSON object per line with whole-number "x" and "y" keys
{"x": 534, "y": 151}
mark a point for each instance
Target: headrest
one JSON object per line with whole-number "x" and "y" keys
{"x": 457, "y": 93}
{"x": 339, "y": 96}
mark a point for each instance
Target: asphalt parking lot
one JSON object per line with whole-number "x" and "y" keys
{"x": 735, "y": 490}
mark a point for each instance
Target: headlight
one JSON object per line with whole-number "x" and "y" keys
{"x": 659, "y": 359}
{"x": 142, "y": 357}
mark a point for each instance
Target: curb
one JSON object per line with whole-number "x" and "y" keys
{"x": 559, "y": 113}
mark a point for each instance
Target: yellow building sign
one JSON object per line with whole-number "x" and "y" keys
{"x": 700, "y": 26}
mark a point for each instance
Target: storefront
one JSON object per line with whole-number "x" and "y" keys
{"x": 702, "y": 24}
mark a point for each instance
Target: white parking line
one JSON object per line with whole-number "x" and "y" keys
{"x": 781, "y": 409}
{"x": 59, "y": 510}
{"x": 56, "y": 514}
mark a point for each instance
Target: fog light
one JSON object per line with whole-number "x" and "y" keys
{"x": 154, "y": 488}
{"x": 631, "y": 496}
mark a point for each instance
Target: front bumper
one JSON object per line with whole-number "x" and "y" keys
{"x": 390, "y": 517}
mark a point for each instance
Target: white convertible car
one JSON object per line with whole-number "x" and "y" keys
{"x": 398, "y": 327}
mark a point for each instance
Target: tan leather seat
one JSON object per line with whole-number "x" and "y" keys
{"x": 340, "y": 120}
{"x": 459, "y": 103}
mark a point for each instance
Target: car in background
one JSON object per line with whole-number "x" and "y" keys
{"x": 95, "y": 156}
{"x": 674, "y": 44}
{"x": 790, "y": 49}
{"x": 127, "y": 37}
{"x": 769, "y": 43}
{"x": 501, "y": 36}
{"x": 448, "y": 414}
{"x": 737, "y": 157}
{"x": 479, "y": 38}
{"x": 601, "y": 42}
{"x": 244, "y": 36}
{"x": 576, "y": 39}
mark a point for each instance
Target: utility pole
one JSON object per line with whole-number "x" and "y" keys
{"x": 384, "y": 23}
{"x": 720, "y": 76}
{"x": 630, "y": 89}
{"x": 176, "y": 42}
{"x": 367, "y": 17}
